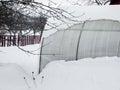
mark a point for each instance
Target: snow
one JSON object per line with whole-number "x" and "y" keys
{"x": 16, "y": 67}
{"x": 85, "y": 74}
{"x": 103, "y": 73}
{"x": 12, "y": 78}
{"x": 27, "y": 61}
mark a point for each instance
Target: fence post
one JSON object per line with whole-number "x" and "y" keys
{"x": 27, "y": 40}
{"x": 8, "y": 40}
{"x": 18, "y": 40}
{"x": 14, "y": 41}
{"x": 3, "y": 40}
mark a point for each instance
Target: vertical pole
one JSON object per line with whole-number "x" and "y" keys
{"x": 0, "y": 40}
{"x": 79, "y": 41}
{"x": 118, "y": 52}
{"x": 18, "y": 38}
{"x": 25, "y": 40}
{"x": 29, "y": 40}
{"x": 14, "y": 40}
{"x": 7, "y": 41}
{"x": 10, "y": 39}
{"x": 40, "y": 56}
{"x": 4, "y": 40}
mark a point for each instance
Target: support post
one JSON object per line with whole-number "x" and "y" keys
{"x": 40, "y": 56}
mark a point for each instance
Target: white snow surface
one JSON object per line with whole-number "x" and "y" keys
{"x": 27, "y": 61}
{"x": 13, "y": 77}
{"x": 85, "y": 74}
{"x": 16, "y": 67}
{"x": 101, "y": 73}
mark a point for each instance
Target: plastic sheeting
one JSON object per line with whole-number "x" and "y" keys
{"x": 95, "y": 38}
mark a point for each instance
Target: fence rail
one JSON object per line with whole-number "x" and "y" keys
{"x": 14, "y": 40}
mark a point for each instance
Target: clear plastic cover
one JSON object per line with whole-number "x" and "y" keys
{"x": 95, "y": 38}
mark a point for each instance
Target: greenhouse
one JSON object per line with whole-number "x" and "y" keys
{"x": 94, "y": 38}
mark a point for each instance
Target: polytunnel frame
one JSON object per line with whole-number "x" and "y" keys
{"x": 42, "y": 41}
{"x": 79, "y": 39}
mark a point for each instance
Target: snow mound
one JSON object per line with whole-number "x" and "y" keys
{"x": 27, "y": 61}
{"x": 13, "y": 77}
{"x": 85, "y": 74}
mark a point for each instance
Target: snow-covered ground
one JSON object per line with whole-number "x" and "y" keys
{"x": 103, "y": 73}
{"x": 15, "y": 55}
{"x": 13, "y": 77}
{"x": 16, "y": 67}
{"x": 85, "y": 74}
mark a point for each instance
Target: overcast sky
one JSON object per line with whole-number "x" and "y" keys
{"x": 90, "y": 12}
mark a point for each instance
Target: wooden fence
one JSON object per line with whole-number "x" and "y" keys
{"x": 14, "y": 40}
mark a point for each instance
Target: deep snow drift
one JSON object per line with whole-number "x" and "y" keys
{"x": 16, "y": 67}
{"x": 85, "y": 74}
{"x": 13, "y": 77}
{"x": 29, "y": 62}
